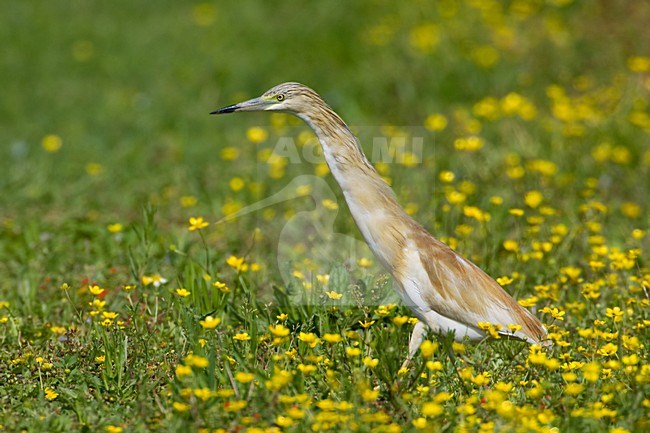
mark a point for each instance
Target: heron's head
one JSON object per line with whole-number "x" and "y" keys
{"x": 288, "y": 97}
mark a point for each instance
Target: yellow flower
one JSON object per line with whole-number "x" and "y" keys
{"x": 370, "y": 394}
{"x": 51, "y": 143}
{"x": 95, "y": 290}
{"x": 533, "y": 199}
{"x": 236, "y": 263}
{"x": 196, "y": 361}
{"x": 242, "y": 336}
{"x": 504, "y": 281}
{"x": 400, "y": 320}
{"x": 189, "y": 201}
{"x": 428, "y": 348}
{"x": 111, "y": 315}
{"x": 183, "y": 370}
{"x": 182, "y": 292}
{"x": 511, "y": 245}
{"x": 256, "y": 134}
{"x": 244, "y": 377}
{"x": 370, "y": 362}
{"x": 210, "y": 322}
{"x": 113, "y": 429}
{"x": 51, "y": 394}
{"x": 573, "y": 389}
{"x": 334, "y": 295}
{"x": 284, "y": 421}
{"x": 352, "y": 351}
{"x": 432, "y": 409}
{"x": 332, "y": 338}
{"x": 115, "y": 228}
{"x": 221, "y": 286}
{"x": 311, "y": 339}
{"x": 203, "y": 393}
{"x": 608, "y": 349}
{"x": 155, "y": 279}
{"x": 366, "y": 324}
{"x": 180, "y": 407}
{"x": 279, "y": 379}
{"x": 435, "y": 122}
{"x": 279, "y": 330}
{"x": 197, "y": 223}
{"x": 419, "y": 423}
{"x": 306, "y": 369}
{"x": 364, "y": 262}
{"x": 616, "y": 313}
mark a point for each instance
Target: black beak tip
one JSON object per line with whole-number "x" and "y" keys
{"x": 228, "y": 109}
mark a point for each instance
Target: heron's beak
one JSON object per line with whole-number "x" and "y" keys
{"x": 255, "y": 104}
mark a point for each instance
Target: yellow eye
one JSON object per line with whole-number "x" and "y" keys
{"x": 280, "y": 97}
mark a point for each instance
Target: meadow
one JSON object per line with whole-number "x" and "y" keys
{"x": 518, "y": 132}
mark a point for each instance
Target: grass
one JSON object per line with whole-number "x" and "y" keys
{"x": 115, "y": 316}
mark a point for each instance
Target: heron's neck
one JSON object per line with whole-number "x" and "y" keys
{"x": 370, "y": 199}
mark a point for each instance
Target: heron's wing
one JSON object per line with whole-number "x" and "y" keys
{"x": 459, "y": 290}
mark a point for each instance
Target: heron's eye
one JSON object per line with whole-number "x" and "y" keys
{"x": 280, "y": 97}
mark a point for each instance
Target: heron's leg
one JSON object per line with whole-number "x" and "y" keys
{"x": 419, "y": 330}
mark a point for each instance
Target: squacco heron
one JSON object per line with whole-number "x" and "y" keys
{"x": 447, "y": 293}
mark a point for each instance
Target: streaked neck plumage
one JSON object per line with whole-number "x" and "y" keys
{"x": 370, "y": 199}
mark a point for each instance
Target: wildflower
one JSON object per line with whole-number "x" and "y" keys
{"x": 279, "y": 380}
{"x": 435, "y": 122}
{"x": 243, "y": 377}
{"x": 188, "y": 201}
{"x": 428, "y": 348}
{"x": 306, "y": 369}
{"x": 182, "y": 292}
{"x": 236, "y": 263}
{"x": 366, "y": 324}
{"x": 222, "y": 287}
{"x": 615, "y": 313}
{"x": 419, "y": 423}
{"x": 504, "y": 281}
{"x": 51, "y": 394}
{"x": 155, "y": 279}
{"x": 364, "y": 262}
{"x": 370, "y": 362}
{"x": 51, "y": 143}
{"x": 113, "y": 429}
{"x": 309, "y": 338}
{"x": 608, "y": 349}
{"x": 432, "y": 409}
{"x": 279, "y": 330}
{"x": 511, "y": 245}
{"x": 554, "y": 312}
{"x": 183, "y": 370}
{"x": 115, "y": 228}
{"x": 196, "y": 361}
{"x": 352, "y": 351}
{"x": 95, "y": 290}
{"x": 242, "y": 336}
{"x": 533, "y": 199}
{"x": 180, "y": 407}
{"x": 203, "y": 393}
{"x": 111, "y": 315}
{"x": 197, "y": 223}
{"x": 210, "y": 322}
{"x": 400, "y": 320}
{"x": 573, "y": 389}
{"x": 332, "y": 338}
{"x": 370, "y": 394}
{"x": 282, "y": 317}
{"x": 334, "y": 295}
